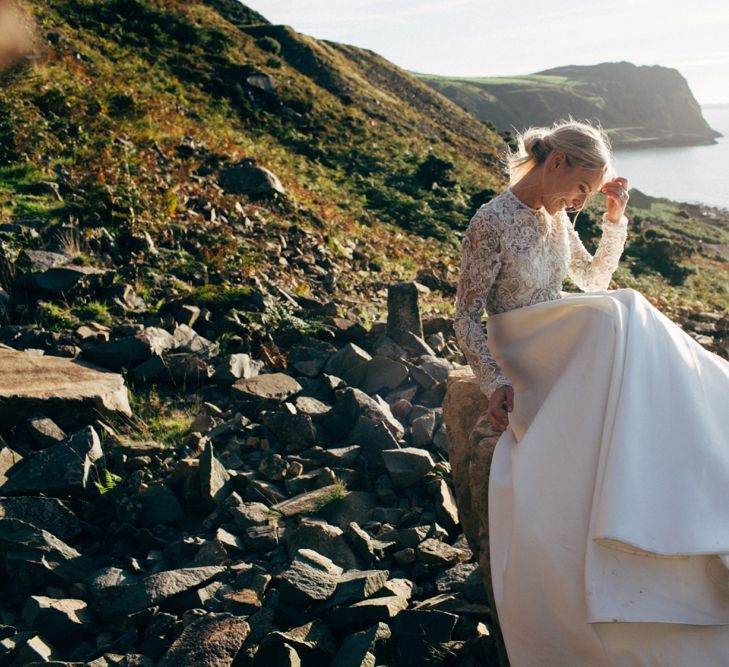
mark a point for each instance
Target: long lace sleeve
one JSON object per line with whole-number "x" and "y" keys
{"x": 592, "y": 273}
{"x": 480, "y": 264}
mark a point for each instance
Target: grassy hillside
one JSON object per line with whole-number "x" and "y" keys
{"x": 113, "y": 141}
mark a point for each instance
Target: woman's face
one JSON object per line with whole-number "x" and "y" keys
{"x": 567, "y": 186}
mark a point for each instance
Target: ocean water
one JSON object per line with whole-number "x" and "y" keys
{"x": 695, "y": 174}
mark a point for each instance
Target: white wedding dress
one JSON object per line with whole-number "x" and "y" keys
{"x": 609, "y": 490}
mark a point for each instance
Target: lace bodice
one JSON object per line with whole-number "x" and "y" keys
{"x": 514, "y": 255}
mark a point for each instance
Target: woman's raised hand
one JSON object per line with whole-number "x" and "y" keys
{"x": 617, "y": 198}
{"x": 501, "y": 403}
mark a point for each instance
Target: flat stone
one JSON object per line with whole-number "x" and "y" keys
{"x": 60, "y": 469}
{"x": 366, "y": 611}
{"x": 407, "y": 465}
{"x": 211, "y": 641}
{"x": 311, "y": 577}
{"x": 265, "y": 390}
{"x": 324, "y": 538}
{"x": 66, "y": 391}
{"x": 49, "y": 514}
{"x": 307, "y": 501}
{"x": 35, "y": 558}
{"x": 383, "y": 373}
{"x": 60, "y": 620}
{"x": 131, "y": 350}
{"x": 435, "y": 552}
{"x": 44, "y": 431}
{"x": 129, "y": 596}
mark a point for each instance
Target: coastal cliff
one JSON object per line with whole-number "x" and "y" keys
{"x": 637, "y": 105}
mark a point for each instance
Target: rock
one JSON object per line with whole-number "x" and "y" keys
{"x": 435, "y": 552}
{"x": 294, "y": 431}
{"x": 416, "y": 632}
{"x": 44, "y": 431}
{"x": 61, "y": 620}
{"x": 131, "y": 350}
{"x": 356, "y": 650}
{"x": 116, "y": 600}
{"x": 246, "y": 515}
{"x": 34, "y": 558}
{"x": 312, "y": 642}
{"x": 265, "y": 391}
{"x": 356, "y": 585}
{"x": 249, "y": 180}
{"x": 463, "y": 578}
{"x": 41, "y": 260}
{"x": 309, "y": 358}
{"x": 215, "y": 482}
{"x": 350, "y": 363}
{"x": 66, "y": 391}
{"x": 35, "y": 650}
{"x": 445, "y": 506}
{"x": 367, "y": 546}
{"x": 366, "y": 611}
{"x": 309, "y": 500}
{"x": 49, "y": 514}
{"x": 311, "y": 577}
{"x": 233, "y": 367}
{"x": 383, "y": 373}
{"x": 403, "y": 314}
{"x": 423, "y": 429}
{"x": 408, "y": 465}
{"x": 70, "y": 278}
{"x": 186, "y": 339}
{"x": 8, "y": 459}
{"x": 68, "y": 468}
{"x": 264, "y": 82}
{"x": 160, "y": 506}
{"x": 276, "y": 653}
{"x": 212, "y": 641}
{"x": 324, "y": 538}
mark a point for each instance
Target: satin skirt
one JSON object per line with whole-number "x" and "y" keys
{"x": 609, "y": 490}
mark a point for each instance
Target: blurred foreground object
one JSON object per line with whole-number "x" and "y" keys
{"x": 17, "y": 33}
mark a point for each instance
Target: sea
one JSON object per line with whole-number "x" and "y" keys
{"x": 693, "y": 174}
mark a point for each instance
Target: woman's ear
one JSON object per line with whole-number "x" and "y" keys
{"x": 556, "y": 159}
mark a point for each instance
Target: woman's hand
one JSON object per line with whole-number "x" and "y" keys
{"x": 617, "y": 198}
{"x": 501, "y": 403}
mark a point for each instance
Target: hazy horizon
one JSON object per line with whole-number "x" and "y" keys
{"x": 419, "y": 35}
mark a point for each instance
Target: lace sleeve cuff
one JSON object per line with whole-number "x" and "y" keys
{"x": 613, "y": 226}
{"x": 489, "y": 387}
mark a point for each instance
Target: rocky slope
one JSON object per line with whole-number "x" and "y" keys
{"x": 637, "y": 105}
{"x": 228, "y": 263}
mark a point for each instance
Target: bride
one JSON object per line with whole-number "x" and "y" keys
{"x": 609, "y": 484}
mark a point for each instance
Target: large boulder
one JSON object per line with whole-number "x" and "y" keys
{"x": 471, "y": 444}
{"x": 69, "y": 392}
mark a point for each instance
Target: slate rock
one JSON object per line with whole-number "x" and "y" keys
{"x": 49, "y": 514}
{"x": 215, "y": 481}
{"x": 350, "y": 363}
{"x": 69, "y": 467}
{"x": 69, "y": 392}
{"x": 212, "y": 641}
{"x": 367, "y": 611}
{"x": 131, "y": 350}
{"x": 264, "y": 391}
{"x": 62, "y": 621}
{"x": 310, "y": 578}
{"x": 130, "y": 595}
{"x": 407, "y": 465}
{"x": 403, "y": 313}
{"x": 357, "y": 648}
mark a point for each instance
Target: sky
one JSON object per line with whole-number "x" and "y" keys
{"x": 483, "y": 38}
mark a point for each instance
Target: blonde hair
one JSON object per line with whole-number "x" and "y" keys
{"x": 583, "y": 143}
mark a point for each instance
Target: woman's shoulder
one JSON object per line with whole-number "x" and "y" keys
{"x": 492, "y": 214}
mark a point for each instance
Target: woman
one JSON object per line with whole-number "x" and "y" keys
{"x": 609, "y": 485}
